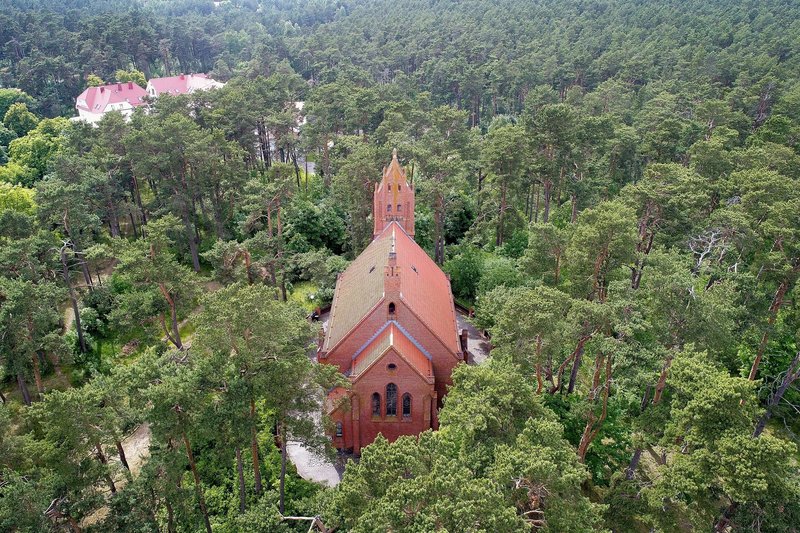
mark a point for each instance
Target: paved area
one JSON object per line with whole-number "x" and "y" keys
{"x": 312, "y": 466}
{"x": 477, "y": 345}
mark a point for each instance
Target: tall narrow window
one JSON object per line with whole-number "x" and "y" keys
{"x": 376, "y": 404}
{"x": 388, "y": 208}
{"x": 339, "y": 431}
{"x": 406, "y": 405}
{"x": 399, "y": 207}
{"x": 391, "y": 308}
{"x": 391, "y": 399}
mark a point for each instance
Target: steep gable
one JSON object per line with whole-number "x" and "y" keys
{"x": 423, "y": 287}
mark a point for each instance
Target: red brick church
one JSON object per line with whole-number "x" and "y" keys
{"x": 392, "y": 329}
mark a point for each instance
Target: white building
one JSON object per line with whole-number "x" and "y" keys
{"x": 95, "y": 102}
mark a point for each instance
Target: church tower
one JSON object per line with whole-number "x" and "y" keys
{"x": 393, "y": 199}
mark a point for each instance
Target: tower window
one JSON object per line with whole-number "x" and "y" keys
{"x": 376, "y": 404}
{"x": 390, "y": 187}
{"x": 339, "y": 431}
{"x": 391, "y": 399}
{"x": 399, "y": 207}
{"x": 406, "y": 405}
{"x": 391, "y": 308}
{"x": 388, "y": 208}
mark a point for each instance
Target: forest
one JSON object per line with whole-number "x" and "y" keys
{"x": 613, "y": 186}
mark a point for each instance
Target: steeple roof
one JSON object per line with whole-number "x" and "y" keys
{"x": 393, "y": 199}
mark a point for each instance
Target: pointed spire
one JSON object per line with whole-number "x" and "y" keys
{"x": 395, "y": 172}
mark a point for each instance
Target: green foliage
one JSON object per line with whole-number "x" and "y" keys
{"x": 613, "y": 185}
{"x": 498, "y": 452}
{"x": 19, "y": 120}
{"x": 16, "y": 198}
{"x": 465, "y": 270}
{"x": 123, "y": 76}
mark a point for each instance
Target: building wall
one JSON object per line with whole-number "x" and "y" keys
{"x": 442, "y": 358}
{"x": 359, "y": 425}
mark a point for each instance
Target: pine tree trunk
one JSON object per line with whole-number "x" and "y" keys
{"x": 175, "y": 335}
{"x": 662, "y": 379}
{"x": 122, "y": 457}
{"x": 725, "y": 519}
{"x": 240, "y": 472}
{"x": 170, "y": 517}
{"x": 104, "y": 461}
{"x": 23, "y": 389}
{"x": 548, "y": 192}
{"x": 113, "y": 220}
{"x": 501, "y": 215}
{"x": 198, "y": 487}
{"x": 792, "y": 374}
{"x": 74, "y": 300}
{"x": 254, "y": 447}
{"x": 576, "y": 365}
{"x": 634, "y": 464}
{"x": 777, "y": 303}
{"x": 282, "y": 485}
{"x": 37, "y": 375}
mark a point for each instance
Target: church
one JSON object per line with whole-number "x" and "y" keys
{"x": 392, "y": 329}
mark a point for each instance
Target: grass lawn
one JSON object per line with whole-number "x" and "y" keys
{"x": 304, "y": 293}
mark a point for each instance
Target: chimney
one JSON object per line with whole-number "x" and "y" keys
{"x": 392, "y": 270}
{"x": 119, "y": 86}
{"x": 183, "y": 76}
{"x": 102, "y": 89}
{"x": 130, "y": 85}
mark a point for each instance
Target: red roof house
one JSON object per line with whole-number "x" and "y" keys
{"x": 392, "y": 328}
{"x": 94, "y": 102}
{"x": 182, "y": 84}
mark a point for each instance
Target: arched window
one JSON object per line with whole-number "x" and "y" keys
{"x": 376, "y": 404}
{"x": 339, "y": 429}
{"x": 406, "y": 405}
{"x": 391, "y": 399}
{"x": 391, "y": 308}
{"x": 388, "y": 208}
{"x": 399, "y": 207}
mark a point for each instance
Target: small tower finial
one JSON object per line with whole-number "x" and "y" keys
{"x": 394, "y": 153}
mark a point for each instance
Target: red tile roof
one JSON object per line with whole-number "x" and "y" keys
{"x": 393, "y": 336}
{"x": 424, "y": 288}
{"x": 96, "y": 99}
{"x": 181, "y": 84}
